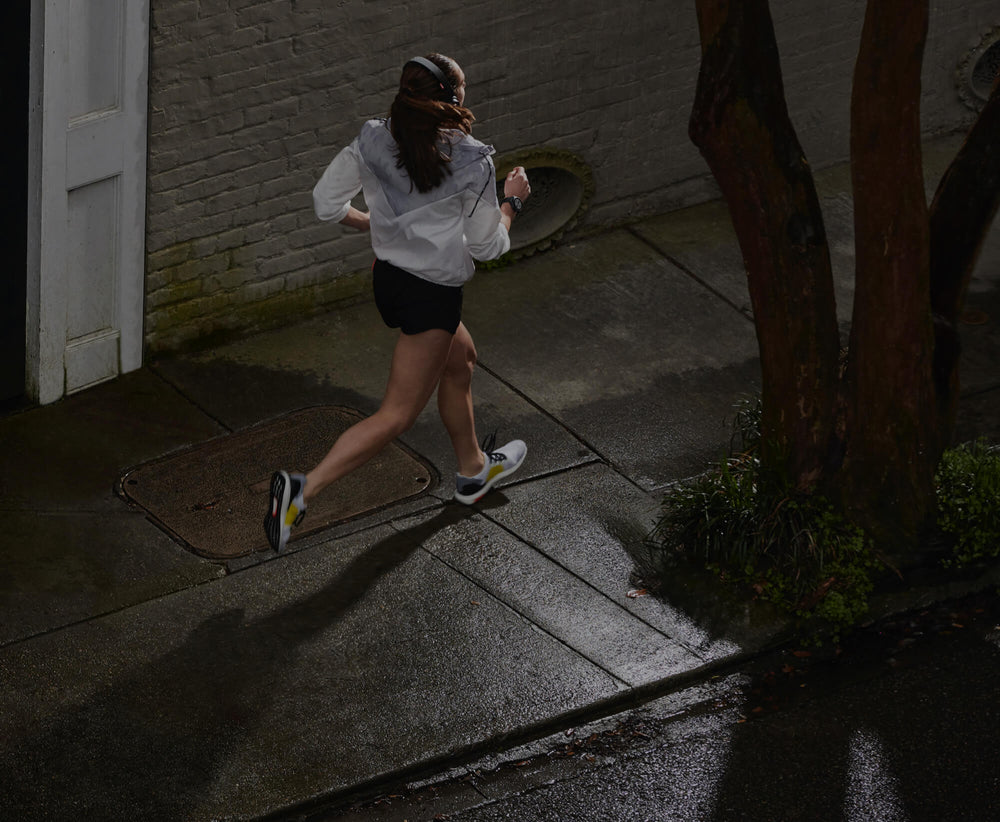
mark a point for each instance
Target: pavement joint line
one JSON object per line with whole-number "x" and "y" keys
{"x": 542, "y": 410}
{"x": 504, "y": 603}
{"x": 4, "y": 646}
{"x": 600, "y": 456}
{"x": 678, "y": 264}
{"x": 593, "y": 587}
{"x": 194, "y": 403}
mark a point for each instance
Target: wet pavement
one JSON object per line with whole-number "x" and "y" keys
{"x": 141, "y": 679}
{"x": 900, "y": 724}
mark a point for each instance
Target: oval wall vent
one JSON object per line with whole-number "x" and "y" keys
{"x": 979, "y": 69}
{"x": 561, "y": 187}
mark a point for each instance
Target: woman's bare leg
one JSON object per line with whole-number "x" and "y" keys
{"x": 417, "y": 364}
{"x": 455, "y": 403}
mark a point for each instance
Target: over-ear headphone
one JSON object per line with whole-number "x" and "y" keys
{"x": 438, "y": 75}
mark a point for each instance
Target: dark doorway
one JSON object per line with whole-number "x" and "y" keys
{"x": 15, "y": 36}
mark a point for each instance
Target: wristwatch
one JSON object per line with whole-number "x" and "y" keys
{"x": 515, "y": 203}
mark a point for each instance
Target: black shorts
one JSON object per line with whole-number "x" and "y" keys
{"x": 412, "y": 304}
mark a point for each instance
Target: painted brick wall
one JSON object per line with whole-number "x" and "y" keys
{"x": 250, "y": 99}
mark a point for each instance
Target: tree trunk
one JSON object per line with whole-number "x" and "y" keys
{"x": 891, "y": 424}
{"x": 871, "y": 441}
{"x": 741, "y": 125}
{"x": 964, "y": 206}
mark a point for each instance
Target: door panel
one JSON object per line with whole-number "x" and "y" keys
{"x": 95, "y": 56}
{"x": 88, "y": 314}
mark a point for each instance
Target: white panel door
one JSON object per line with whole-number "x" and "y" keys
{"x": 88, "y": 298}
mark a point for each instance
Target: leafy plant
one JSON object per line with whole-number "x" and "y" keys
{"x": 968, "y": 501}
{"x": 789, "y": 548}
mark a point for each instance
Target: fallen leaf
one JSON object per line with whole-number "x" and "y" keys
{"x": 811, "y": 600}
{"x": 206, "y": 506}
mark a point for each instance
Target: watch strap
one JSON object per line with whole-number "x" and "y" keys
{"x": 515, "y": 203}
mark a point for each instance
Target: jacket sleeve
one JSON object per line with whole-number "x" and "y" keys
{"x": 339, "y": 184}
{"x": 485, "y": 236}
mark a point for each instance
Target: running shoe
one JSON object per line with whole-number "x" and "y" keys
{"x": 500, "y": 463}
{"x": 286, "y": 508}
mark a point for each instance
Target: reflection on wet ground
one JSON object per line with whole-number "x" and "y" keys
{"x": 898, "y": 722}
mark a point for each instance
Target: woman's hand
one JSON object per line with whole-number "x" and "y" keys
{"x": 360, "y": 220}
{"x": 516, "y": 184}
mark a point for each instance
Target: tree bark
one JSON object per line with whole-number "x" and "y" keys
{"x": 891, "y": 423}
{"x": 740, "y": 124}
{"x": 964, "y": 206}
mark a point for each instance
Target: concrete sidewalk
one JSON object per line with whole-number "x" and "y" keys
{"x": 141, "y": 679}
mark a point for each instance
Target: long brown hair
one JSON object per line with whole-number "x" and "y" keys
{"x": 419, "y": 114}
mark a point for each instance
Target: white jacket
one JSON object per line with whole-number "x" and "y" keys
{"x": 434, "y": 235}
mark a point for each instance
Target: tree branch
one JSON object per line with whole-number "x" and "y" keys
{"x": 964, "y": 206}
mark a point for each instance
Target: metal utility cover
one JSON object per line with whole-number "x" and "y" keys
{"x": 213, "y": 497}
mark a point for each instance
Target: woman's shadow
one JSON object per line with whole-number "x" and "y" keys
{"x": 152, "y": 745}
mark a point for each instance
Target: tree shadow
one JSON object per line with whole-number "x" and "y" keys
{"x": 897, "y": 732}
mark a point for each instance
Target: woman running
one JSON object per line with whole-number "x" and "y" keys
{"x": 431, "y": 193}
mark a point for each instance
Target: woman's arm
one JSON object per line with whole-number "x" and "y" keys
{"x": 487, "y": 230}
{"x": 339, "y": 184}
{"x": 515, "y": 185}
{"x": 360, "y": 220}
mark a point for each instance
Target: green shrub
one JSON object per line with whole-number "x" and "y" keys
{"x": 787, "y": 547}
{"x": 968, "y": 501}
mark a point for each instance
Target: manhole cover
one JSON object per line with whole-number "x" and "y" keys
{"x": 212, "y": 497}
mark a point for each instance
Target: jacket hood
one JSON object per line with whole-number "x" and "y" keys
{"x": 467, "y": 169}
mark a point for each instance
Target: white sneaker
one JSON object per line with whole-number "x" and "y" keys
{"x": 500, "y": 463}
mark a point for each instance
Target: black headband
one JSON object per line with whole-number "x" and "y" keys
{"x": 438, "y": 75}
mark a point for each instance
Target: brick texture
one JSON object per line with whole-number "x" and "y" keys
{"x": 250, "y": 99}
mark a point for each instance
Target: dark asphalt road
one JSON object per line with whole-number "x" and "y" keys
{"x": 903, "y": 723}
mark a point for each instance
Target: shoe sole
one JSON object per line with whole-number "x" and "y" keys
{"x": 470, "y": 499}
{"x": 281, "y": 488}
